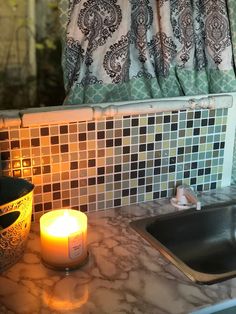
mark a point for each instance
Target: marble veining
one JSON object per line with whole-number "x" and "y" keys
{"x": 124, "y": 273}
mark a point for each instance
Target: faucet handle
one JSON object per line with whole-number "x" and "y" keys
{"x": 185, "y": 197}
{"x": 180, "y": 193}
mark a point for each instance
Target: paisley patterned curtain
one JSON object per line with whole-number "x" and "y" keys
{"x": 118, "y": 50}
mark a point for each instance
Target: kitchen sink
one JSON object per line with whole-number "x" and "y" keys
{"x": 202, "y": 244}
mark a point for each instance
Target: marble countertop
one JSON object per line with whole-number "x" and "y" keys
{"x": 124, "y": 273}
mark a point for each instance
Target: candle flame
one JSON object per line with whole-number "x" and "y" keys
{"x": 64, "y": 225}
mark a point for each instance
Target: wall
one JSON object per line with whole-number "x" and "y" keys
{"x": 94, "y": 165}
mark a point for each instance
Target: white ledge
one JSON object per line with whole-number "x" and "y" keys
{"x": 55, "y": 115}
{"x": 67, "y": 114}
{"x": 9, "y": 119}
{"x": 164, "y": 105}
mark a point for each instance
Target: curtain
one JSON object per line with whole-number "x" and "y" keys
{"x": 232, "y": 18}
{"x": 117, "y": 50}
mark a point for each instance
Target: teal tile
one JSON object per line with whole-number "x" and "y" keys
{"x": 210, "y": 139}
{"x": 188, "y": 141}
{"x": 205, "y": 114}
{"x": 208, "y": 155}
{"x": 187, "y": 157}
{"x": 214, "y": 162}
{"x": 197, "y": 123}
{"x": 174, "y": 135}
{"x": 201, "y": 164}
{"x": 217, "y": 138}
{"x": 149, "y": 172}
{"x": 164, "y": 178}
{"x": 179, "y": 175}
{"x": 156, "y": 186}
{"x": 221, "y": 161}
{"x": 158, "y": 145}
{"x": 151, "y": 129}
{"x": 211, "y": 129}
{"x": 166, "y": 128}
{"x": 213, "y": 177}
{"x": 219, "y": 112}
{"x": 222, "y": 137}
{"x": 194, "y": 156}
{"x": 217, "y": 128}
{"x": 202, "y": 155}
{"x": 207, "y": 178}
{"x": 157, "y": 179}
{"x": 141, "y": 198}
{"x": 173, "y": 144}
{"x": 180, "y": 167}
{"x": 182, "y": 125}
{"x": 166, "y": 136}
{"x": 165, "y": 161}
{"x": 182, "y": 115}
{"x": 134, "y": 131}
{"x": 134, "y": 139}
{"x": 225, "y": 111}
{"x": 193, "y": 173}
{"x": 196, "y": 140}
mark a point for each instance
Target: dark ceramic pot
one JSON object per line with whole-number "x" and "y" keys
{"x": 16, "y": 197}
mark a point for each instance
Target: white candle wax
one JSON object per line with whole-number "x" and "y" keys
{"x": 63, "y": 235}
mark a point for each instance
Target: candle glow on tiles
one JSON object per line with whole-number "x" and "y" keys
{"x": 63, "y": 234}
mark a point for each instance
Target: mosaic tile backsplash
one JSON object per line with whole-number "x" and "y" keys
{"x": 107, "y": 163}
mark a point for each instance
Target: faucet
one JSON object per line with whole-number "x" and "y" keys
{"x": 185, "y": 198}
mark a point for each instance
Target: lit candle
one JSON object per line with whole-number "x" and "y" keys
{"x": 63, "y": 236}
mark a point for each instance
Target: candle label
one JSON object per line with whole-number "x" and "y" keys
{"x": 75, "y": 245}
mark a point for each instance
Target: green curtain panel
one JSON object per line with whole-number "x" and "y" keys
{"x": 120, "y": 50}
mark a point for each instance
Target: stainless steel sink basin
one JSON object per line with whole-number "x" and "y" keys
{"x": 202, "y": 244}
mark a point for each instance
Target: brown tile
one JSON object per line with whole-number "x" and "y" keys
{"x": 82, "y": 127}
{"x": 73, "y": 138}
{"x": 65, "y": 185}
{"x": 118, "y": 133}
{"x": 82, "y": 146}
{"x": 74, "y": 174}
{"x": 92, "y": 198}
{"x": 101, "y": 152}
{"x": 44, "y": 140}
{"x": 109, "y": 169}
{"x": 24, "y": 133}
{"x": 92, "y": 207}
{"x": 83, "y": 173}
{"x": 126, "y": 158}
{"x": 117, "y": 185}
{"x": 34, "y": 132}
{"x": 65, "y": 158}
{"x": 83, "y": 164}
{"x": 64, "y": 139}
{"x": 73, "y": 128}
{"x": 91, "y": 154}
{"x": 55, "y": 149}
{"x": 54, "y": 130}
{"x": 45, "y": 151}
{"x": 25, "y": 143}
